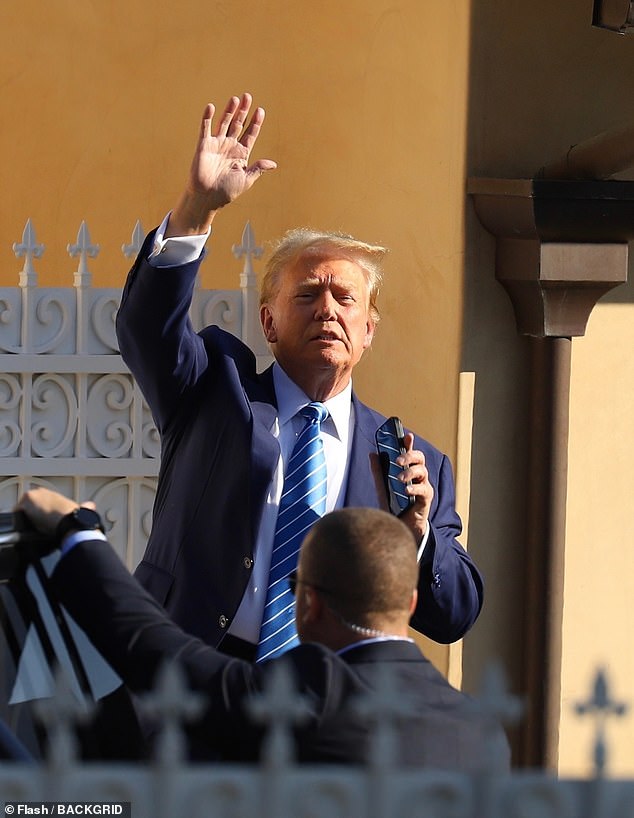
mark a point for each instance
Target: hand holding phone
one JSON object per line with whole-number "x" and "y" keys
{"x": 390, "y": 444}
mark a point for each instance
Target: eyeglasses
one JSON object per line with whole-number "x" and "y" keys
{"x": 293, "y": 581}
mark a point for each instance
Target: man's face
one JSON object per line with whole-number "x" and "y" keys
{"x": 318, "y": 320}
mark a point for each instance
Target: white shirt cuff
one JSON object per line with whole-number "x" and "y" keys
{"x": 176, "y": 250}
{"x": 423, "y": 542}
{"x": 75, "y": 537}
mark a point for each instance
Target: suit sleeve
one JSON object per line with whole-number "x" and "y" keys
{"x": 135, "y": 635}
{"x": 155, "y": 334}
{"x": 450, "y": 587}
{"x": 125, "y": 623}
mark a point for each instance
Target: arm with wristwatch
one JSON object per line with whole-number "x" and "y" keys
{"x": 61, "y": 521}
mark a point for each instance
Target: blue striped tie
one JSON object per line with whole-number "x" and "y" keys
{"x": 303, "y": 501}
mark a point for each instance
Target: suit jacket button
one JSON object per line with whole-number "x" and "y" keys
{"x": 247, "y": 562}
{"x": 223, "y": 621}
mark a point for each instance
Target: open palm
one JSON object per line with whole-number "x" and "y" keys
{"x": 220, "y": 170}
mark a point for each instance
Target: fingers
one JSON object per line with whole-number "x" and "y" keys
{"x": 417, "y": 485}
{"x": 45, "y": 508}
{"x": 233, "y": 120}
{"x": 414, "y": 469}
{"x": 240, "y": 116}
{"x": 234, "y": 116}
{"x": 227, "y": 115}
{"x": 413, "y": 465}
{"x": 45, "y": 500}
{"x": 411, "y": 456}
{"x": 205, "y": 125}
{"x": 251, "y": 134}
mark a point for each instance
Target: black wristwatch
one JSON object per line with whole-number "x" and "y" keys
{"x": 81, "y": 519}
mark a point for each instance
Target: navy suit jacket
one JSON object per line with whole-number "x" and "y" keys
{"x": 134, "y": 634}
{"x": 214, "y": 412}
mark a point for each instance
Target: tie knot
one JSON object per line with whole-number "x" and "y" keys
{"x": 314, "y": 411}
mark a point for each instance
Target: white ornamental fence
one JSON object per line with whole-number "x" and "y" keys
{"x": 71, "y": 416}
{"x": 278, "y": 787}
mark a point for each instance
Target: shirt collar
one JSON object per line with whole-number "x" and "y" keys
{"x": 373, "y": 641}
{"x": 290, "y": 399}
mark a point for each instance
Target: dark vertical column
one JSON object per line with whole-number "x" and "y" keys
{"x": 546, "y": 531}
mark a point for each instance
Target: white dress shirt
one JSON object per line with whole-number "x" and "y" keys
{"x": 336, "y": 434}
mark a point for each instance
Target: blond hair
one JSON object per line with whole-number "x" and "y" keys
{"x": 304, "y": 241}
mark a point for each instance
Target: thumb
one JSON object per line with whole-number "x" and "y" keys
{"x": 256, "y": 170}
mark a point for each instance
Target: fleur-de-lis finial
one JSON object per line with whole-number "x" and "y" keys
{"x": 84, "y": 249}
{"x": 29, "y": 248}
{"x": 138, "y": 236}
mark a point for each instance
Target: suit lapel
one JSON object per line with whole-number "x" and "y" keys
{"x": 361, "y": 489}
{"x": 265, "y": 449}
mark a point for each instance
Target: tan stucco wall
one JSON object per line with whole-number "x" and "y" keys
{"x": 366, "y": 105}
{"x": 600, "y": 537}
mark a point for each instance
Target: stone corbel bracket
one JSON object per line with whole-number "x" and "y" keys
{"x": 561, "y": 245}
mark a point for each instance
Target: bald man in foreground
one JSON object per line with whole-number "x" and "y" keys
{"x": 355, "y": 589}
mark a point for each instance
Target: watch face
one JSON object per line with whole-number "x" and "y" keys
{"x": 81, "y": 519}
{"x": 87, "y": 518}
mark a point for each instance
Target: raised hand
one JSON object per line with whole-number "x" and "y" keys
{"x": 220, "y": 170}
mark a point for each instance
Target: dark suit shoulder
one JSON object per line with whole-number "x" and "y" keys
{"x": 225, "y": 343}
{"x": 238, "y": 363}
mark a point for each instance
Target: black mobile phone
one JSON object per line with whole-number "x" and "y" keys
{"x": 389, "y": 445}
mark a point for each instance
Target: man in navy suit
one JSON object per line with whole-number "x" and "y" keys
{"x": 355, "y": 586}
{"x": 227, "y": 430}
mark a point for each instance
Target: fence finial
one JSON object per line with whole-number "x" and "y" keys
{"x": 280, "y": 707}
{"x": 172, "y": 703}
{"x": 30, "y": 249}
{"x": 84, "y": 249}
{"x": 251, "y": 331}
{"x": 249, "y": 249}
{"x": 59, "y": 715}
{"x": 138, "y": 236}
{"x": 385, "y": 705}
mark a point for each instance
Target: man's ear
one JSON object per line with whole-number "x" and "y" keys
{"x": 313, "y": 604}
{"x": 268, "y": 324}
{"x": 413, "y": 601}
{"x": 369, "y": 333}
